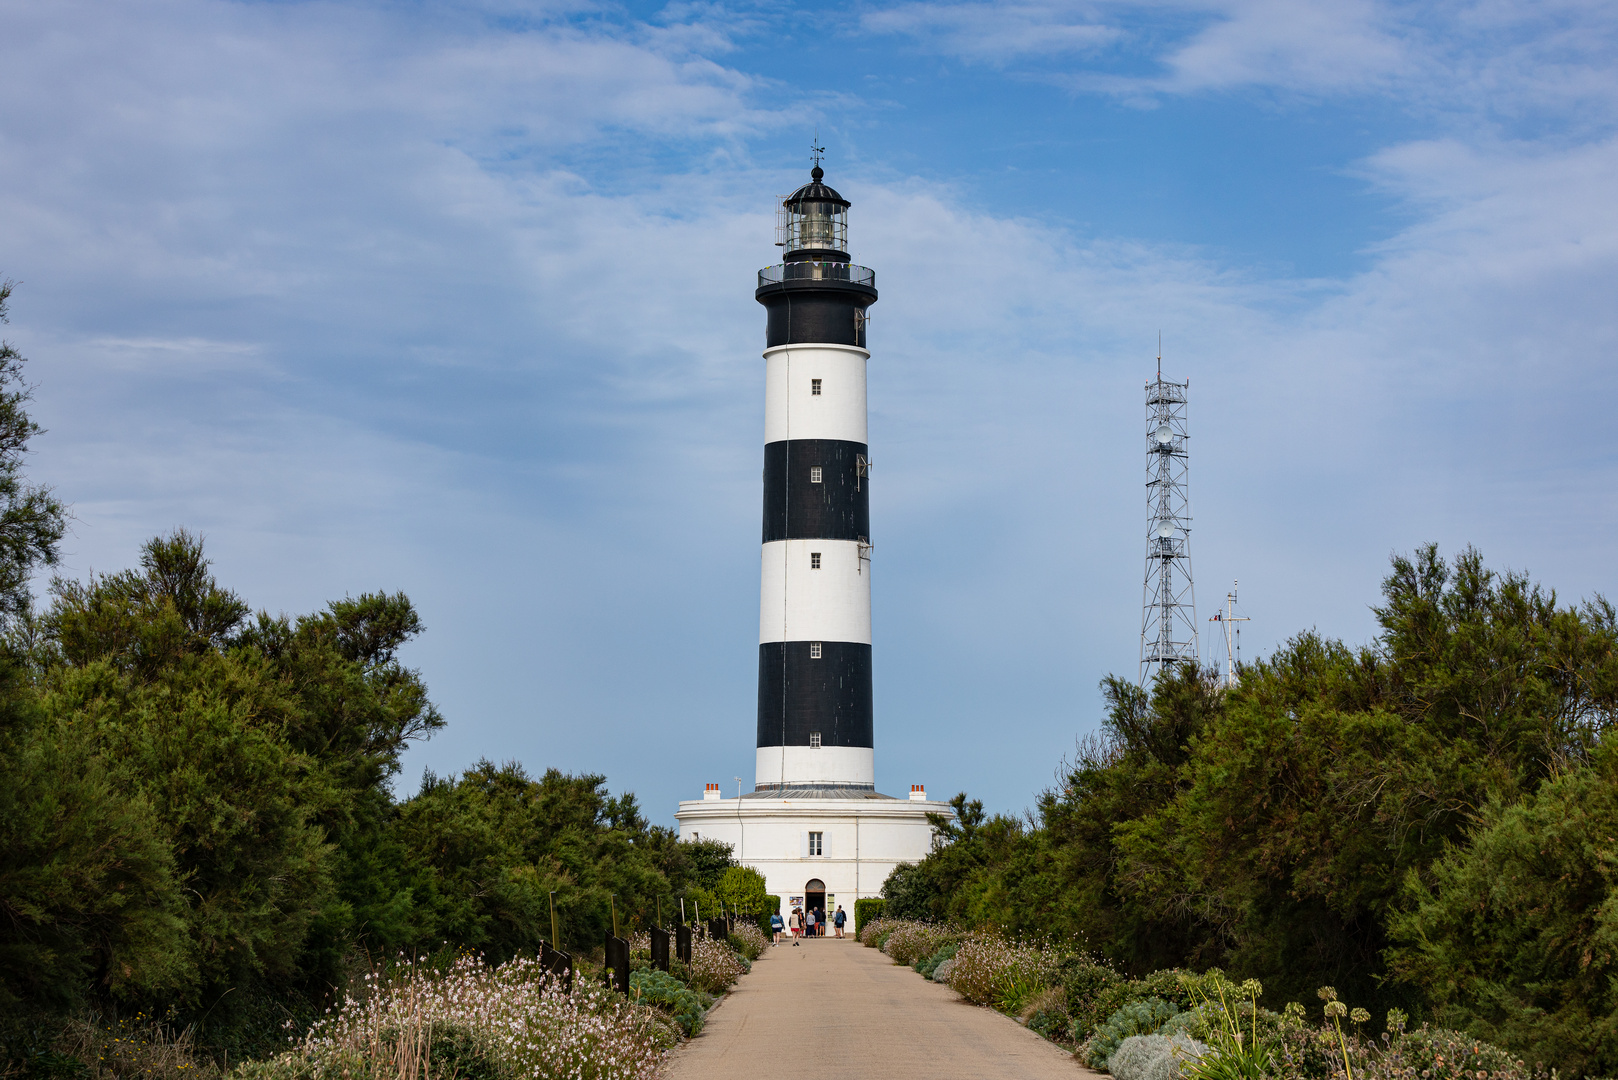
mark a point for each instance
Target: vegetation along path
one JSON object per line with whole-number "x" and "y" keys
{"x": 835, "y": 1010}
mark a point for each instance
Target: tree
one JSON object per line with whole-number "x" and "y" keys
{"x": 261, "y": 749}
{"x": 1513, "y": 936}
{"x": 481, "y": 854}
{"x": 90, "y": 900}
{"x": 32, "y": 519}
{"x": 741, "y": 889}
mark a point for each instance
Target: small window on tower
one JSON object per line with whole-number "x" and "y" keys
{"x": 814, "y": 650}
{"x": 814, "y": 560}
{"x": 814, "y": 740}
{"x": 817, "y": 843}
{"x": 814, "y": 387}
{"x": 814, "y": 474}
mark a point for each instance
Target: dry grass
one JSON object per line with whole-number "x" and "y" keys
{"x": 133, "y": 1048}
{"x": 1052, "y": 999}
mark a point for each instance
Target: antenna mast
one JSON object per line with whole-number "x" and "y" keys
{"x": 1168, "y": 627}
{"x": 1233, "y": 635}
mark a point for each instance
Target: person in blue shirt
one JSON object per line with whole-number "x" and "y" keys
{"x": 777, "y": 926}
{"x": 839, "y": 919}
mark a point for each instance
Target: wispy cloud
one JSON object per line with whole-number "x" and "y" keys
{"x": 1478, "y": 57}
{"x": 999, "y": 32}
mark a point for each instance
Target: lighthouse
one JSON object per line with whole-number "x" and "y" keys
{"x": 814, "y": 824}
{"x": 814, "y": 628}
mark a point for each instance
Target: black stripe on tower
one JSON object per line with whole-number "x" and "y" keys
{"x": 799, "y": 695}
{"x": 797, "y": 506}
{"x": 815, "y": 312}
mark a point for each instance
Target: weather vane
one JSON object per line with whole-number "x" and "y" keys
{"x": 815, "y": 149}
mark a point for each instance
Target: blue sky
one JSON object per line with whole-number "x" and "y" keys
{"x": 457, "y": 299}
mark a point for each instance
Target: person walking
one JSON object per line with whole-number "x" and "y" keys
{"x": 810, "y": 918}
{"x": 777, "y": 925}
{"x": 797, "y": 925}
{"x": 839, "y": 919}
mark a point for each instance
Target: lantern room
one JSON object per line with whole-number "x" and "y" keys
{"x": 813, "y": 223}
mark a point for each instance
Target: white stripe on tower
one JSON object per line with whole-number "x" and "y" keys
{"x": 792, "y": 410}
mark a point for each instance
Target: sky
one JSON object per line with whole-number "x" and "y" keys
{"x": 456, "y": 299}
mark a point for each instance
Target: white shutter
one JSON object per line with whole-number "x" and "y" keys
{"x": 803, "y": 844}
{"x": 825, "y": 843}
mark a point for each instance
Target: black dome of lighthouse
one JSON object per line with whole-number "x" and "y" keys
{"x": 815, "y": 191}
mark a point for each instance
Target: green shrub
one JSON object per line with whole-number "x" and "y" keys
{"x": 1050, "y": 1023}
{"x": 1082, "y": 979}
{"x": 1440, "y": 1054}
{"x": 1156, "y": 1057}
{"x": 925, "y": 968}
{"x": 1182, "y": 988}
{"x": 1142, "y": 1017}
{"x": 1045, "y": 1012}
{"x": 1317, "y": 1052}
{"x": 664, "y": 991}
{"x": 865, "y": 911}
{"x": 459, "y": 1052}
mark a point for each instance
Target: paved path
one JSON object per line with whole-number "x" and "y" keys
{"x": 835, "y": 1010}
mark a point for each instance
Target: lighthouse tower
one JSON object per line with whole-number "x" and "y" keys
{"x": 814, "y": 824}
{"x": 814, "y": 628}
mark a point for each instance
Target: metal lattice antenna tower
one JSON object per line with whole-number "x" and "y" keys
{"x": 1168, "y": 625}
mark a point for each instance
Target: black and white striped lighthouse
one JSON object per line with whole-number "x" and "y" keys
{"x": 814, "y": 653}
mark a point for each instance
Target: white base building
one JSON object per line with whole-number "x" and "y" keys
{"x": 816, "y": 846}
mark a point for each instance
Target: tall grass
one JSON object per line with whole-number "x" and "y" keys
{"x": 912, "y": 941}
{"x": 989, "y": 970}
{"x": 750, "y": 940}
{"x": 715, "y": 966}
{"x": 473, "y": 1022}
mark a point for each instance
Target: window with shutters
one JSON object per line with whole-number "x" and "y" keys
{"x": 817, "y": 843}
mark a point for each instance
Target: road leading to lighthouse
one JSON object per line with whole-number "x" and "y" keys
{"x": 835, "y": 1010}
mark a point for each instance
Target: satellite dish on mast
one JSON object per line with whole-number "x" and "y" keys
{"x": 1164, "y": 434}
{"x": 1165, "y": 529}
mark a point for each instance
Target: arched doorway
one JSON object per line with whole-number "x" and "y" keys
{"x": 814, "y": 899}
